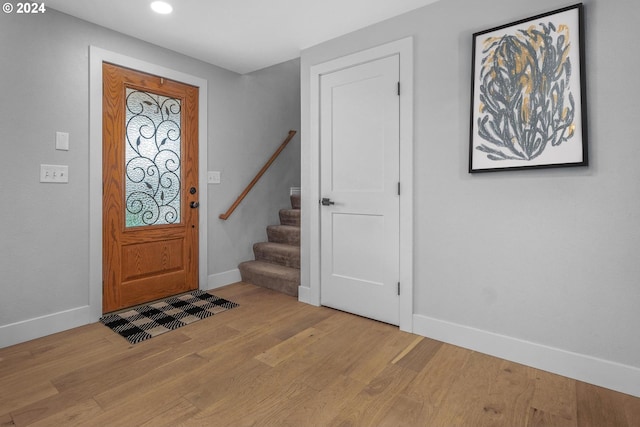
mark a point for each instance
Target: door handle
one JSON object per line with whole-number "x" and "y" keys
{"x": 326, "y": 202}
{"x": 194, "y": 205}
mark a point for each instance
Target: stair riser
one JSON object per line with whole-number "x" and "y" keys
{"x": 286, "y": 284}
{"x": 290, "y": 217}
{"x": 295, "y": 201}
{"x": 289, "y": 236}
{"x": 288, "y": 258}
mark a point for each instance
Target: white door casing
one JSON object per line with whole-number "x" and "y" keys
{"x": 310, "y": 289}
{"x": 96, "y": 57}
{"x": 359, "y": 173}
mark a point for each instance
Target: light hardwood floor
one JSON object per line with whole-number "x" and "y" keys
{"x": 275, "y": 361}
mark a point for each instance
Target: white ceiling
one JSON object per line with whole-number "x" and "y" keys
{"x": 240, "y": 35}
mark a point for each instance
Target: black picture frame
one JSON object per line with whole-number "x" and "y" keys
{"x": 528, "y": 94}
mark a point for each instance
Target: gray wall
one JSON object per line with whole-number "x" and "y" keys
{"x": 269, "y": 109}
{"x": 44, "y": 87}
{"x": 546, "y": 256}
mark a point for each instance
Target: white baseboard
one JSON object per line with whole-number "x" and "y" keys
{"x": 225, "y": 278}
{"x": 604, "y": 373}
{"x": 38, "y": 327}
{"x": 304, "y": 295}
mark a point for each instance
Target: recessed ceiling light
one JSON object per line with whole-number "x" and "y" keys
{"x": 161, "y": 7}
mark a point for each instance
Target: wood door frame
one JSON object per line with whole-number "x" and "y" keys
{"x": 403, "y": 48}
{"x": 96, "y": 57}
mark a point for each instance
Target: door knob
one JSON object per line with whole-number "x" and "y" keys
{"x": 326, "y": 201}
{"x": 194, "y": 205}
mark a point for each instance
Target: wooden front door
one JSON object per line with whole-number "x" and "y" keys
{"x": 150, "y": 188}
{"x": 359, "y": 175}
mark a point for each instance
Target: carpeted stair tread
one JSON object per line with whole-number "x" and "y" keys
{"x": 283, "y": 234}
{"x": 272, "y": 276}
{"x": 290, "y": 217}
{"x": 277, "y": 253}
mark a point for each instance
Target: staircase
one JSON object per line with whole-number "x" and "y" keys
{"x": 277, "y": 261}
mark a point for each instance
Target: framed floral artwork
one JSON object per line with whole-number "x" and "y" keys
{"x": 528, "y": 100}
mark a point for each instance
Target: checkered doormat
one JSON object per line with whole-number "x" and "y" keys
{"x": 147, "y": 321}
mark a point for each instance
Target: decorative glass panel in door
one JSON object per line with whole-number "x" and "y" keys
{"x": 152, "y": 159}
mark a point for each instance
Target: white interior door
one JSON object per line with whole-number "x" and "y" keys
{"x": 359, "y": 175}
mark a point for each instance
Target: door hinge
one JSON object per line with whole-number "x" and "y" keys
{"x": 398, "y": 188}
{"x": 398, "y": 288}
{"x": 398, "y": 88}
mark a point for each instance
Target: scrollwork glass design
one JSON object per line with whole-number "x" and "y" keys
{"x": 152, "y": 159}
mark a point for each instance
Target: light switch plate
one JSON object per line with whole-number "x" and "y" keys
{"x": 57, "y": 174}
{"x": 62, "y": 141}
{"x": 213, "y": 177}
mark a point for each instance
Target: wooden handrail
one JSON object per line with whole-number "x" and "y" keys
{"x": 253, "y": 182}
